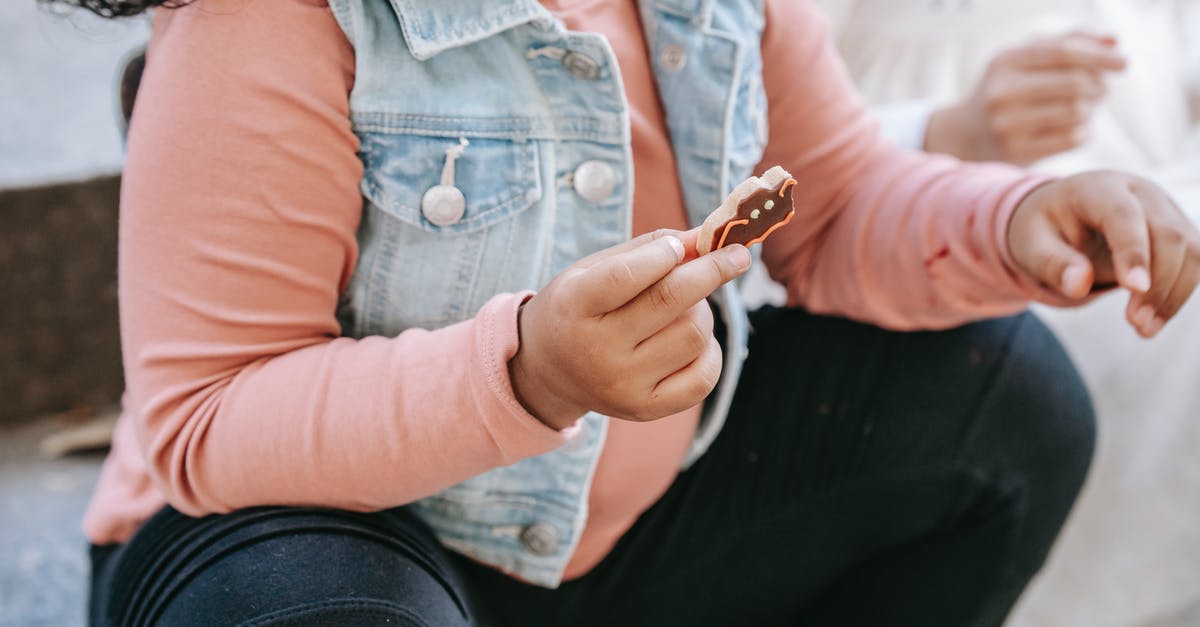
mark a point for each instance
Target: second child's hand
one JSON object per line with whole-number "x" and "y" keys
{"x": 1033, "y": 101}
{"x": 1098, "y": 229}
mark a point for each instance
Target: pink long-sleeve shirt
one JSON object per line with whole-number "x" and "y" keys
{"x": 238, "y": 216}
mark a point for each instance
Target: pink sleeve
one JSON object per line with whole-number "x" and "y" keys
{"x": 898, "y": 239}
{"x": 238, "y": 218}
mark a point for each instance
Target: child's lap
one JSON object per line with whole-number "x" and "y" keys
{"x": 843, "y": 439}
{"x": 277, "y": 566}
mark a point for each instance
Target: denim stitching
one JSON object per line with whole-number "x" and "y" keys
{"x": 386, "y": 202}
{"x": 386, "y": 609}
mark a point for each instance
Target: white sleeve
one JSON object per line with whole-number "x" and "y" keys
{"x": 904, "y": 123}
{"x": 1189, "y": 24}
{"x": 837, "y": 12}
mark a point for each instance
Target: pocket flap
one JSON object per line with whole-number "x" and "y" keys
{"x": 497, "y": 177}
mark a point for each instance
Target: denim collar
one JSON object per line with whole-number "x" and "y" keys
{"x": 432, "y": 26}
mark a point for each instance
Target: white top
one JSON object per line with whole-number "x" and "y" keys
{"x": 1132, "y": 550}
{"x": 934, "y": 52}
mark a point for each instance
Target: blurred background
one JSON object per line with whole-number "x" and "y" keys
{"x": 60, "y": 375}
{"x": 1130, "y": 556}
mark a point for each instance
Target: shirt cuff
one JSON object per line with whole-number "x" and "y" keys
{"x": 516, "y": 432}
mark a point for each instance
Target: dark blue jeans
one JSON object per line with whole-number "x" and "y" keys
{"x": 864, "y": 477}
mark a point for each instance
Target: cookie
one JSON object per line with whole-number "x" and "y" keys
{"x": 756, "y": 208}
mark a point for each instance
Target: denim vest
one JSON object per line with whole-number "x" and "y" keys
{"x": 545, "y": 177}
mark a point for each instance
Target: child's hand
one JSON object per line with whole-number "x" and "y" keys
{"x": 1105, "y": 228}
{"x": 625, "y": 332}
{"x": 1033, "y": 101}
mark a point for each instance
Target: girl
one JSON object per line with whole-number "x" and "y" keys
{"x": 347, "y": 406}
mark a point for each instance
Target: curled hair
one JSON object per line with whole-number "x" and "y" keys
{"x": 117, "y": 8}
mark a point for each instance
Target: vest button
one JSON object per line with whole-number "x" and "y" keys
{"x": 594, "y": 180}
{"x": 443, "y": 205}
{"x": 673, "y": 57}
{"x": 581, "y": 66}
{"x": 540, "y": 538}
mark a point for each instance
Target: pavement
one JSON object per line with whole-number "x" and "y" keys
{"x": 43, "y": 553}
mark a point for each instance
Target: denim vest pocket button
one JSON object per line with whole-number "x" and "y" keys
{"x": 581, "y": 66}
{"x": 594, "y": 180}
{"x": 443, "y": 205}
{"x": 673, "y": 57}
{"x": 540, "y": 538}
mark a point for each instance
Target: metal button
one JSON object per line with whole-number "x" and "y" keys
{"x": 443, "y": 205}
{"x": 594, "y": 180}
{"x": 673, "y": 57}
{"x": 540, "y": 538}
{"x": 581, "y": 66}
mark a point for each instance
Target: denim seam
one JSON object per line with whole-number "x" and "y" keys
{"x": 190, "y": 568}
{"x": 494, "y": 213}
{"x": 386, "y": 609}
{"x": 155, "y": 585}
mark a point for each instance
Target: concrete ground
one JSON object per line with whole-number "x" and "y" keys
{"x": 43, "y": 554}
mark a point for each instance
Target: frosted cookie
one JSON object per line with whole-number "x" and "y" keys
{"x": 757, "y": 206}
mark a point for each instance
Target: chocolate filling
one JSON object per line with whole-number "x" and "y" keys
{"x": 754, "y": 220}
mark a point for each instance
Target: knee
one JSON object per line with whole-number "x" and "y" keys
{"x": 1042, "y": 416}
{"x": 316, "y": 568}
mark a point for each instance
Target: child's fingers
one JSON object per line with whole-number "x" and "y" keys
{"x": 1111, "y": 208}
{"x": 688, "y": 386}
{"x": 690, "y": 238}
{"x": 1055, "y": 86}
{"x": 683, "y": 287}
{"x": 1060, "y": 116}
{"x": 615, "y": 279}
{"x": 1055, "y": 263}
{"x": 1069, "y": 52}
{"x": 678, "y": 344}
{"x": 640, "y": 240}
{"x": 1185, "y": 284}
{"x": 1034, "y": 147}
{"x": 1174, "y": 255}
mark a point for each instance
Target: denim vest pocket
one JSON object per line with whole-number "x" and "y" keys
{"x": 415, "y": 273}
{"x": 497, "y": 177}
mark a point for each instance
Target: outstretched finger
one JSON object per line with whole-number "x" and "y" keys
{"x": 641, "y": 240}
{"x": 1112, "y": 209}
{"x": 686, "y": 285}
{"x": 1176, "y": 251}
{"x": 613, "y": 280}
{"x": 1185, "y": 285}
